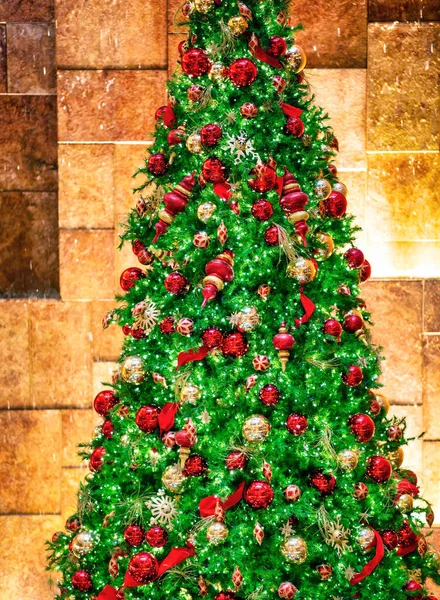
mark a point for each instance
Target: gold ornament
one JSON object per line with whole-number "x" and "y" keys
{"x": 246, "y": 319}
{"x": 217, "y": 72}
{"x": 365, "y": 538}
{"x": 322, "y": 189}
{"x": 194, "y": 143}
{"x": 383, "y": 401}
{"x": 295, "y": 550}
{"x": 302, "y": 269}
{"x": 203, "y": 6}
{"x": 217, "y": 533}
{"x": 341, "y": 188}
{"x": 396, "y": 457}
{"x": 173, "y": 478}
{"x": 348, "y": 460}
{"x": 405, "y": 503}
{"x": 256, "y": 429}
{"x": 205, "y": 211}
{"x": 83, "y": 542}
{"x": 329, "y": 246}
{"x": 190, "y": 393}
{"x": 132, "y": 369}
{"x": 306, "y": 140}
{"x": 296, "y": 58}
{"x": 238, "y": 24}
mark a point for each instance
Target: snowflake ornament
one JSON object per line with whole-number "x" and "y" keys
{"x": 241, "y": 146}
{"x": 349, "y": 573}
{"x": 205, "y": 417}
{"x": 336, "y": 535}
{"x": 286, "y": 529}
{"x": 163, "y": 510}
{"x": 145, "y": 315}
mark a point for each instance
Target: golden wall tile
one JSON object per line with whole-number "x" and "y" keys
{"x": 14, "y": 354}
{"x": 174, "y": 40}
{"x": 431, "y": 389}
{"x": 403, "y": 84}
{"x": 85, "y": 186}
{"x": 102, "y": 375}
{"x": 23, "y": 552}
{"x": 414, "y": 427}
{"x": 34, "y": 482}
{"x": 335, "y": 33}
{"x": 128, "y": 158}
{"x": 107, "y": 343}
{"x": 175, "y": 16}
{"x": 109, "y": 35}
{"x": 61, "y": 354}
{"x": 108, "y": 105}
{"x": 3, "y": 70}
{"x": 356, "y": 182}
{"x": 71, "y": 478}
{"x": 396, "y": 308}
{"x": 430, "y": 480}
{"x": 86, "y": 264}
{"x": 77, "y": 428}
{"x": 403, "y": 10}
{"x": 342, "y": 93}
{"x": 432, "y": 305}
{"x": 27, "y": 10}
{"x": 403, "y": 259}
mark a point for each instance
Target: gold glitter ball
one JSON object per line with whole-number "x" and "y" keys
{"x": 132, "y": 369}
{"x": 296, "y": 58}
{"x": 238, "y": 24}
{"x": 302, "y": 269}
{"x": 256, "y": 429}
{"x": 173, "y": 478}
{"x": 205, "y": 211}
{"x": 194, "y": 143}
{"x": 295, "y": 550}
{"x": 396, "y": 457}
{"x": 322, "y": 189}
{"x": 405, "y": 503}
{"x": 217, "y": 72}
{"x": 365, "y": 538}
{"x": 190, "y": 393}
{"x": 328, "y": 246}
{"x": 217, "y": 533}
{"x": 348, "y": 460}
{"x": 203, "y": 6}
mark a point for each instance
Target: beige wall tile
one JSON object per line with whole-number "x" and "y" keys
{"x": 356, "y": 182}
{"x": 107, "y": 343}
{"x": 432, "y": 305}
{"x": 77, "y": 428}
{"x": 414, "y": 428}
{"x": 102, "y": 375}
{"x": 71, "y": 478}
{"x": 430, "y": 479}
{"x": 175, "y": 16}
{"x": 431, "y": 389}
{"x": 14, "y": 354}
{"x": 128, "y": 158}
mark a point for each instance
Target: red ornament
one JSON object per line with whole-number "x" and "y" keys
{"x": 277, "y": 46}
{"x": 195, "y": 62}
{"x": 261, "y": 363}
{"x": 212, "y": 338}
{"x": 73, "y": 524}
{"x": 292, "y": 493}
{"x": 213, "y": 170}
{"x": 218, "y": 271}
{"x": 143, "y": 567}
{"x": 229, "y": 595}
{"x": 333, "y": 328}
{"x": 362, "y": 427}
{"x": 335, "y": 205}
{"x": 82, "y": 581}
{"x": 361, "y": 491}
{"x": 235, "y": 344}
{"x": 271, "y": 236}
{"x": 353, "y": 323}
{"x": 145, "y": 257}
{"x": 175, "y": 203}
{"x": 296, "y": 424}
{"x": 210, "y": 134}
{"x": 126, "y": 329}
{"x": 175, "y": 283}
{"x": 167, "y": 325}
{"x": 264, "y": 291}
{"x": 353, "y": 376}
{"x": 294, "y": 126}
{"x": 156, "y": 536}
{"x": 406, "y": 536}
{"x": 283, "y": 342}
{"x": 96, "y": 459}
{"x": 157, "y": 164}
{"x": 120, "y": 594}
{"x": 159, "y": 112}
{"x": 104, "y": 402}
{"x": 265, "y": 178}
{"x": 390, "y": 539}
{"x": 147, "y": 418}
{"x": 138, "y": 334}
{"x": 325, "y": 571}
{"x": 262, "y": 210}
{"x": 129, "y": 278}
{"x": 137, "y": 246}
{"x": 195, "y": 93}
{"x": 185, "y": 440}
{"x": 293, "y": 202}
{"x": 413, "y": 586}
{"x": 134, "y": 535}
{"x": 195, "y": 466}
{"x": 236, "y": 460}
{"x": 378, "y": 469}
{"x": 269, "y": 395}
{"x": 249, "y": 110}
{"x": 107, "y": 429}
{"x": 365, "y": 272}
{"x": 287, "y": 590}
{"x": 259, "y": 494}
{"x": 325, "y": 484}
{"x": 355, "y": 258}
{"x": 176, "y": 136}
{"x": 394, "y": 433}
{"x": 279, "y": 83}
{"x": 242, "y": 72}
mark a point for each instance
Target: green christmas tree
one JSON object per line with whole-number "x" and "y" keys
{"x": 245, "y": 451}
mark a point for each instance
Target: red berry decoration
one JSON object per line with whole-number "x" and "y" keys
{"x": 96, "y": 459}
{"x": 195, "y": 466}
{"x": 104, "y": 402}
{"x": 362, "y": 427}
{"x": 249, "y": 110}
{"x": 294, "y": 126}
{"x": 82, "y": 581}
{"x": 236, "y": 460}
{"x": 157, "y": 164}
{"x": 156, "y": 536}
{"x": 406, "y": 536}
{"x": 242, "y": 72}
{"x": 353, "y": 377}
{"x": 262, "y": 210}
{"x": 167, "y": 325}
{"x": 353, "y": 323}
{"x": 195, "y": 62}
{"x": 333, "y": 328}
{"x": 355, "y": 258}
{"x": 365, "y": 272}
{"x": 390, "y": 539}
{"x": 129, "y": 277}
{"x": 361, "y": 491}
{"x": 378, "y": 469}
{"x": 296, "y": 424}
{"x": 259, "y": 494}
{"x": 213, "y": 170}
{"x": 325, "y": 484}
{"x": 175, "y": 283}
{"x": 212, "y": 338}
{"x": 271, "y": 236}
{"x": 195, "y": 93}
{"x": 210, "y": 134}
{"x": 235, "y": 344}
{"x": 143, "y": 567}
{"x": 134, "y": 535}
{"x": 277, "y": 46}
{"x": 269, "y": 395}
{"x": 107, "y": 429}
{"x": 147, "y": 418}
{"x": 336, "y": 205}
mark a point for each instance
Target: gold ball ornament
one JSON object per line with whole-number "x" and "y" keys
{"x": 83, "y": 542}
{"x": 302, "y": 269}
{"x": 294, "y": 549}
{"x": 238, "y": 24}
{"x": 190, "y": 393}
{"x": 173, "y": 478}
{"x": 255, "y": 429}
{"x": 205, "y": 211}
{"x": 383, "y": 401}
{"x": 217, "y": 533}
{"x": 322, "y": 189}
{"x": 396, "y": 457}
{"x": 217, "y": 72}
{"x": 348, "y": 460}
{"x": 296, "y": 58}
{"x": 194, "y": 143}
{"x": 341, "y": 188}
{"x": 132, "y": 369}
{"x": 365, "y": 538}
{"x": 203, "y": 6}
{"x": 328, "y": 246}
{"x": 405, "y": 503}
{"x": 247, "y": 319}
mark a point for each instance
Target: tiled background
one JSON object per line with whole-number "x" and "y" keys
{"x": 73, "y": 128}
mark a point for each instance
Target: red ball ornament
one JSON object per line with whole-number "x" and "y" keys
{"x": 353, "y": 377}
{"x": 137, "y": 246}
{"x": 265, "y": 178}
{"x": 269, "y": 395}
{"x": 195, "y": 93}
{"x": 138, "y": 333}
{"x": 353, "y": 323}
{"x": 365, "y": 272}
{"x": 195, "y": 466}
{"x": 242, "y": 72}
{"x": 378, "y": 469}
{"x": 287, "y": 590}
{"x": 235, "y": 344}
{"x": 262, "y": 210}
{"x": 394, "y": 433}
{"x": 279, "y": 83}
{"x": 129, "y": 277}
{"x": 236, "y": 460}
{"x": 361, "y": 491}
{"x": 277, "y": 46}
{"x": 406, "y": 536}
{"x": 143, "y": 567}
{"x": 325, "y": 484}
{"x": 249, "y": 110}
{"x": 107, "y": 429}
{"x": 362, "y": 427}
{"x": 325, "y": 571}
{"x": 292, "y": 493}
{"x": 159, "y": 112}
{"x": 104, "y": 402}
{"x": 413, "y": 586}
{"x": 271, "y": 236}
{"x": 73, "y": 524}
{"x": 335, "y": 205}
{"x": 213, "y": 170}
{"x": 212, "y": 338}
{"x": 134, "y": 535}
{"x": 175, "y": 283}
{"x": 96, "y": 459}
{"x": 167, "y": 325}
{"x": 355, "y": 258}
{"x": 157, "y": 164}
{"x": 259, "y": 494}
{"x": 82, "y": 581}
{"x": 156, "y": 536}
{"x": 126, "y": 329}
{"x": 333, "y": 328}
{"x": 210, "y": 134}
{"x": 145, "y": 257}
{"x": 147, "y": 418}
{"x": 120, "y": 594}
{"x": 195, "y": 62}
{"x": 184, "y": 440}
{"x": 176, "y": 136}
{"x": 294, "y": 126}
{"x": 229, "y": 595}
{"x": 390, "y": 539}
{"x": 296, "y": 424}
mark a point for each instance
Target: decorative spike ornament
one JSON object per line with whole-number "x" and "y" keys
{"x": 175, "y": 203}
{"x": 267, "y": 471}
{"x": 237, "y": 578}
{"x": 222, "y": 233}
{"x": 218, "y": 271}
{"x": 203, "y": 588}
{"x": 283, "y": 342}
{"x": 259, "y": 533}
{"x": 293, "y": 201}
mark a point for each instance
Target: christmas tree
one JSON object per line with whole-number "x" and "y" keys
{"x": 245, "y": 449}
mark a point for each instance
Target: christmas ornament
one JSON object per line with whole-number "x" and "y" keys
{"x": 229, "y": 595}
{"x": 211, "y": 134}
{"x": 176, "y": 136}
{"x": 107, "y": 429}
{"x": 175, "y": 283}
{"x": 365, "y": 272}
{"x": 147, "y": 418}
{"x": 261, "y": 363}
{"x": 265, "y": 178}
{"x": 378, "y": 469}
{"x": 406, "y": 536}
{"x": 283, "y": 342}
{"x": 242, "y": 72}
{"x": 293, "y": 202}
{"x": 287, "y": 590}
{"x": 195, "y": 62}
{"x": 277, "y": 46}
{"x": 262, "y": 210}
{"x": 156, "y": 536}
{"x": 169, "y": 439}
{"x": 353, "y": 377}
{"x": 212, "y": 338}
{"x": 333, "y": 328}
{"x": 175, "y": 203}
{"x": 340, "y": 187}
{"x": 390, "y": 539}
{"x": 264, "y": 291}
{"x": 255, "y": 429}
{"x": 160, "y": 112}
{"x": 348, "y": 460}
{"x": 222, "y": 233}
{"x": 134, "y": 535}
{"x": 203, "y": 588}
{"x": 167, "y": 325}
{"x": 195, "y": 466}
{"x": 279, "y": 83}
{"x": 73, "y": 524}
{"x": 195, "y": 93}
{"x": 302, "y": 269}
{"x": 173, "y": 478}
{"x": 296, "y": 58}
{"x": 324, "y": 571}
{"x": 194, "y": 143}
{"x": 218, "y": 271}
{"x": 83, "y": 542}
{"x": 201, "y": 240}
{"x": 82, "y": 581}
{"x": 185, "y": 326}
{"x": 242, "y": 146}
{"x": 235, "y": 344}
{"x": 258, "y": 533}
{"x": 203, "y": 6}
{"x": 328, "y": 246}
{"x": 353, "y": 322}
{"x": 295, "y": 550}
{"x": 422, "y": 546}
{"x": 248, "y": 110}
{"x": 132, "y": 369}
{"x": 362, "y": 427}
{"x": 405, "y": 503}
{"x": 292, "y": 493}
{"x": 271, "y": 236}
{"x": 237, "y": 24}
{"x": 217, "y": 533}
{"x": 355, "y": 258}
{"x": 365, "y": 538}
{"x": 205, "y": 211}
{"x": 325, "y": 484}
{"x": 322, "y": 189}
{"x": 294, "y": 126}
{"x": 236, "y": 460}
{"x": 157, "y": 164}
{"x": 335, "y": 205}
{"x": 237, "y": 578}
{"x": 296, "y": 424}
{"x": 246, "y": 319}
{"x": 143, "y": 567}
{"x": 217, "y": 72}
{"x": 379, "y": 403}
{"x": 190, "y": 393}
{"x": 394, "y": 433}
{"x": 213, "y": 170}
{"x": 163, "y": 508}
{"x": 104, "y": 402}
{"x": 129, "y": 278}
{"x": 396, "y": 457}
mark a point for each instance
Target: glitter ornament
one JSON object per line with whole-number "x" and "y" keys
{"x": 195, "y": 466}
{"x": 204, "y": 6}
{"x": 173, "y": 479}
{"x": 256, "y": 429}
{"x": 242, "y": 72}
{"x": 325, "y": 484}
{"x": 143, "y": 567}
{"x": 237, "y": 24}
{"x": 379, "y": 403}
{"x": 235, "y": 344}
{"x": 156, "y": 536}
{"x": 296, "y": 58}
{"x": 390, "y": 539}
{"x": 167, "y": 325}
{"x": 333, "y": 328}
{"x": 212, "y": 338}
{"x": 157, "y": 164}
{"x": 355, "y": 258}
{"x": 185, "y": 326}
{"x": 406, "y": 536}
{"x": 96, "y": 459}
{"x": 132, "y": 369}
{"x": 261, "y": 362}
{"x": 294, "y": 126}
{"x": 327, "y": 246}
{"x": 175, "y": 283}
{"x": 353, "y": 322}
{"x": 246, "y": 319}
{"x": 134, "y": 535}
{"x": 229, "y": 595}
{"x": 210, "y": 134}
{"x": 195, "y": 93}
{"x": 83, "y": 543}
{"x": 271, "y": 236}
{"x": 195, "y": 62}
{"x": 73, "y": 524}
{"x": 324, "y": 571}
{"x": 378, "y": 469}
{"x": 205, "y": 211}
{"x": 104, "y": 402}
{"x": 264, "y": 291}
{"x": 365, "y": 272}
{"x": 362, "y": 427}
{"x": 129, "y": 278}
{"x": 190, "y": 393}
{"x": 147, "y": 418}
{"x": 222, "y": 233}
{"x": 217, "y": 533}
{"x": 201, "y": 240}
{"x": 194, "y": 143}
{"x": 296, "y": 424}
{"x": 335, "y": 205}
{"x": 348, "y": 460}
{"x": 353, "y": 376}
{"x": 82, "y": 580}
{"x": 295, "y": 550}
{"x": 277, "y": 46}
{"x": 236, "y": 460}
{"x": 265, "y": 178}
{"x": 248, "y": 110}
{"x": 365, "y": 538}
{"x": 107, "y": 429}
{"x": 394, "y": 433}
{"x": 259, "y": 495}
{"x": 361, "y": 491}
{"x": 322, "y": 189}
{"x": 405, "y": 503}
{"x": 302, "y": 269}
{"x": 262, "y": 210}
{"x": 213, "y": 170}
{"x": 292, "y": 493}
{"x": 287, "y": 590}
{"x": 217, "y": 72}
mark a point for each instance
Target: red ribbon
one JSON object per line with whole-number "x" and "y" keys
{"x": 309, "y": 308}
{"x": 405, "y": 551}
{"x": 222, "y": 191}
{"x": 166, "y": 416}
{"x": 406, "y": 487}
{"x": 372, "y": 564}
{"x": 290, "y": 111}
{"x": 174, "y": 558}
{"x": 108, "y": 593}
{"x": 168, "y": 117}
{"x": 192, "y": 355}
{"x": 258, "y": 52}
{"x": 207, "y": 505}
{"x": 280, "y": 184}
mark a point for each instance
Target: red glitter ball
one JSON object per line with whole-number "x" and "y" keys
{"x": 195, "y": 62}
{"x": 213, "y": 170}
{"x": 335, "y": 205}
{"x": 236, "y": 460}
{"x": 362, "y": 427}
{"x": 353, "y": 377}
{"x": 126, "y": 329}
{"x": 145, "y": 257}
{"x": 107, "y": 429}
{"x": 262, "y": 210}
{"x": 129, "y": 277}
{"x": 355, "y": 258}
{"x": 212, "y": 338}
{"x": 235, "y": 344}
{"x": 390, "y": 539}
{"x": 294, "y": 126}
{"x": 296, "y": 424}
{"x": 147, "y": 418}
{"x": 277, "y": 46}
{"x": 365, "y": 272}
{"x": 81, "y": 580}
{"x": 104, "y": 402}
{"x": 167, "y": 325}
{"x": 137, "y": 246}
{"x": 249, "y": 110}
{"x": 195, "y": 466}
{"x": 195, "y": 93}
{"x": 134, "y": 535}
{"x": 269, "y": 395}
{"x": 138, "y": 333}
{"x": 406, "y": 536}
{"x": 143, "y": 567}
{"x": 325, "y": 484}
{"x": 96, "y": 459}
{"x": 211, "y": 134}
{"x": 157, "y": 536}
{"x": 175, "y": 283}
{"x": 271, "y": 236}
{"x": 378, "y": 469}
{"x": 259, "y": 494}
{"x": 333, "y": 328}
{"x": 157, "y": 164}
{"x": 73, "y": 524}
{"x": 242, "y": 72}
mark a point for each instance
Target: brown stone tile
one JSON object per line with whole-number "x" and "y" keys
{"x": 356, "y": 182}
{"x": 173, "y": 52}
{"x": 124, "y": 257}
{"x": 3, "y": 73}
{"x": 33, "y": 477}
{"x": 86, "y": 264}
{"x": 23, "y": 551}
{"x": 29, "y": 234}
{"x": 396, "y": 308}
{"x": 107, "y": 343}
{"x": 86, "y": 186}
{"x": 402, "y": 200}
{"x": 31, "y": 58}
{"x": 105, "y": 35}
{"x": 430, "y": 479}
{"x": 402, "y": 97}
{"x": 335, "y": 33}
{"x": 342, "y": 93}
{"x": 175, "y": 17}
{"x": 71, "y": 478}
{"x": 27, "y": 10}
{"x": 127, "y": 159}
{"x": 431, "y": 387}
{"x": 14, "y": 354}
{"x": 77, "y": 428}
{"x": 432, "y": 305}
{"x": 61, "y": 351}
{"x": 403, "y": 10}
{"x": 102, "y": 375}
{"x": 28, "y": 138}
{"x": 108, "y": 105}
{"x": 403, "y": 259}
{"x": 414, "y": 427}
